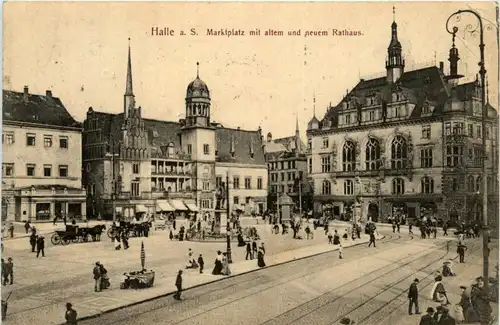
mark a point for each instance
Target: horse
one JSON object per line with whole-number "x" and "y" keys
{"x": 96, "y": 231}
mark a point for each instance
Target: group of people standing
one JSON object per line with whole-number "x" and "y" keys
{"x": 101, "y": 279}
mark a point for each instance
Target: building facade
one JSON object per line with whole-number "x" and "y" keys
{"x": 287, "y": 171}
{"x": 134, "y": 165}
{"x": 41, "y": 162}
{"x": 408, "y": 143}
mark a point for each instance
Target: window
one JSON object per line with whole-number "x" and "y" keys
{"x": 8, "y": 170}
{"x": 134, "y": 189}
{"x": 206, "y": 185}
{"x": 427, "y": 184}
{"x": 236, "y": 182}
{"x": 218, "y": 181}
{"x": 478, "y": 131}
{"x": 453, "y": 155}
{"x": 248, "y": 199}
{"x": 398, "y": 186}
{"x": 479, "y": 184}
{"x": 282, "y": 165}
{"x": 135, "y": 168}
{"x": 471, "y": 184}
{"x": 8, "y": 138}
{"x": 447, "y": 128}
{"x": 470, "y": 155}
{"x": 63, "y": 142}
{"x": 348, "y": 119}
{"x": 30, "y": 169}
{"x": 426, "y": 109}
{"x": 190, "y": 149}
{"x": 371, "y": 116}
{"x": 30, "y": 139}
{"x": 63, "y": 171}
{"x": 282, "y": 177}
{"x": 289, "y": 163}
{"x": 206, "y": 149}
{"x": 426, "y": 132}
{"x": 470, "y": 130}
{"x": 426, "y": 158}
{"x": 372, "y": 155}
{"x": 399, "y": 153}
{"x": 325, "y": 143}
{"x": 454, "y": 184}
{"x": 478, "y": 156}
{"x": 259, "y": 183}
{"x": 309, "y": 144}
{"x": 47, "y": 141}
{"x": 47, "y": 170}
{"x": 348, "y": 187}
{"x": 205, "y": 204}
{"x": 326, "y": 188}
{"x": 236, "y": 200}
{"x": 349, "y": 156}
{"x": 248, "y": 183}
{"x": 309, "y": 166}
{"x": 325, "y": 164}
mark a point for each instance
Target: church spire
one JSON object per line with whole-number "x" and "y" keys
{"x": 197, "y": 70}
{"x": 129, "y": 98}
{"x": 395, "y": 63}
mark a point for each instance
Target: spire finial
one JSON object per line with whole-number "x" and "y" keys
{"x": 297, "y": 122}
{"x": 394, "y": 13}
{"x": 197, "y": 69}
{"x": 314, "y": 104}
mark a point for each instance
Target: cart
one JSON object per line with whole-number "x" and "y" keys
{"x": 138, "y": 280}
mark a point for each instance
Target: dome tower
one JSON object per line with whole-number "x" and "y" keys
{"x": 197, "y": 102}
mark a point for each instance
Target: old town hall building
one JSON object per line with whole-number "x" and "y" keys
{"x": 141, "y": 165}
{"x": 406, "y": 144}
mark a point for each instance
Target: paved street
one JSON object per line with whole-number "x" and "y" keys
{"x": 368, "y": 286}
{"x": 43, "y": 285}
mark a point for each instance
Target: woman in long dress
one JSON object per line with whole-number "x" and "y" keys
{"x": 260, "y": 258}
{"x": 438, "y": 293}
{"x": 218, "y": 264}
{"x": 469, "y": 313}
{"x": 225, "y": 265}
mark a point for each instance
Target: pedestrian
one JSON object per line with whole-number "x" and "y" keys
{"x": 27, "y": 226}
{"x": 97, "y": 277}
{"x": 445, "y": 318}
{"x": 11, "y": 230}
{"x": 71, "y": 315}
{"x": 468, "y": 312}
{"x": 330, "y": 238}
{"x": 260, "y": 259}
{"x": 428, "y": 319}
{"x": 254, "y": 248}
{"x": 125, "y": 241}
{"x": 104, "y": 277}
{"x": 398, "y": 225}
{"x": 372, "y": 240}
{"x": 445, "y": 229}
{"x": 249, "y": 251}
{"x": 261, "y": 247}
{"x": 178, "y": 285}
{"x": 40, "y": 246}
{"x": 171, "y": 235}
{"x": 201, "y": 262}
{"x": 336, "y": 238}
{"x": 9, "y": 271}
{"x": 480, "y": 299}
{"x": 438, "y": 292}
{"x": 410, "y": 231}
{"x": 5, "y": 274}
{"x": 393, "y": 227}
{"x": 33, "y": 242}
{"x": 413, "y": 297}
{"x": 341, "y": 256}
{"x": 461, "y": 248}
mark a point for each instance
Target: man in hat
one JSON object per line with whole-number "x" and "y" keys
{"x": 178, "y": 284}
{"x": 40, "y": 246}
{"x": 70, "y": 315}
{"x": 428, "y": 319}
{"x": 413, "y": 297}
{"x": 97, "y": 277}
{"x": 480, "y": 300}
{"x": 461, "y": 252}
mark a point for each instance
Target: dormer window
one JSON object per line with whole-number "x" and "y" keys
{"x": 426, "y": 109}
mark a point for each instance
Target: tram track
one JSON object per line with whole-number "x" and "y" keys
{"x": 255, "y": 282}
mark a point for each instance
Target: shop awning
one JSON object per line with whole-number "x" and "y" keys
{"x": 139, "y": 208}
{"x": 192, "y": 207}
{"x": 178, "y": 205}
{"x": 164, "y": 207}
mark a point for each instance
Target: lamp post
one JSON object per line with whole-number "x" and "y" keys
{"x": 228, "y": 229}
{"x": 112, "y": 155}
{"x": 482, "y": 73}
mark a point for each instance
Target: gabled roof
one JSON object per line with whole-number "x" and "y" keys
{"x": 38, "y": 109}
{"x": 243, "y": 140}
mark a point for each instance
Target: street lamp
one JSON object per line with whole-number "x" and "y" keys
{"x": 228, "y": 229}
{"x": 482, "y": 73}
{"x": 112, "y": 156}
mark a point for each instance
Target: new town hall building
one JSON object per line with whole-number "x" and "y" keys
{"x": 164, "y": 166}
{"x": 408, "y": 143}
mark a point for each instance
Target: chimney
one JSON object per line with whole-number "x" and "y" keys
{"x": 48, "y": 93}
{"x": 25, "y": 94}
{"x": 441, "y": 66}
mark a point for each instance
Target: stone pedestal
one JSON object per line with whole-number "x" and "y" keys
{"x": 286, "y": 204}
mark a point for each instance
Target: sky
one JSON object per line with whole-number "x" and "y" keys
{"x": 79, "y": 51}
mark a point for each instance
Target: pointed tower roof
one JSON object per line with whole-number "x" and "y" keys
{"x": 128, "y": 87}
{"x": 394, "y": 44}
{"x": 314, "y": 121}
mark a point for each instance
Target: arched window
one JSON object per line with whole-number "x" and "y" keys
{"x": 398, "y": 186}
{"x": 427, "y": 184}
{"x": 399, "y": 153}
{"x": 348, "y": 156}
{"x": 479, "y": 182}
{"x": 372, "y": 156}
{"x": 471, "y": 184}
{"x": 170, "y": 150}
{"x": 326, "y": 188}
{"x": 348, "y": 187}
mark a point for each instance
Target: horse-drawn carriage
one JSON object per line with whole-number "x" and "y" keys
{"x": 131, "y": 229}
{"x": 77, "y": 234}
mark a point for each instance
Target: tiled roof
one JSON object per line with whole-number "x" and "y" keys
{"x": 418, "y": 86}
{"x": 162, "y": 133}
{"x": 39, "y": 109}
